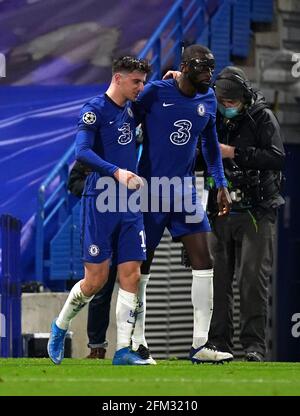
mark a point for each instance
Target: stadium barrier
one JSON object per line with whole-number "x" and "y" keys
{"x": 35, "y": 345}
{"x": 10, "y": 288}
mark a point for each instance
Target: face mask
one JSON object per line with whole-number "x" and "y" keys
{"x": 197, "y": 66}
{"x": 230, "y": 112}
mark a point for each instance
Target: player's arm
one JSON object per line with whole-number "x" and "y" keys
{"x": 144, "y": 102}
{"x": 89, "y": 123}
{"x": 84, "y": 152}
{"x": 212, "y": 156}
{"x": 172, "y": 74}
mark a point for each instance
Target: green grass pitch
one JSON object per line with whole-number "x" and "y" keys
{"x": 76, "y": 377}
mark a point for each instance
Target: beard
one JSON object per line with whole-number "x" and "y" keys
{"x": 201, "y": 86}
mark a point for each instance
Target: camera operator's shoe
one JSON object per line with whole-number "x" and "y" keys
{"x": 125, "y": 356}
{"x": 144, "y": 353}
{"x": 97, "y": 353}
{"x": 208, "y": 353}
{"x": 254, "y": 356}
{"x": 56, "y": 343}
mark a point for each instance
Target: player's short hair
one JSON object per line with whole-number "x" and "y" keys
{"x": 130, "y": 64}
{"x": 195, "y": 51}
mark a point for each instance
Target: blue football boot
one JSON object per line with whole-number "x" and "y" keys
{"x": 125, "y": 356}
{"x": 56, "y": 343}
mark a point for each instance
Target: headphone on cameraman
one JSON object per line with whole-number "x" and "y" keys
{"x": 248, "y": 93}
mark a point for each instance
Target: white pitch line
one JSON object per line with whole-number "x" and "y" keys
{"x": 146, "y": 380}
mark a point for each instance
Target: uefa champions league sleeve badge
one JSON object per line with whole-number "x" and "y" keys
{"x": 89, "y": 117}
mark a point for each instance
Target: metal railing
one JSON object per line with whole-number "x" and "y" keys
{"x": 52, "y": 202}
{"x": 165, "y": 45}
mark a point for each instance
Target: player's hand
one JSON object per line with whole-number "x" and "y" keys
{"x": 227, "y": 151}
{"x": 129, "y": 179}
{"x": 224, "y": 201}
{"x": 172, "y": 74}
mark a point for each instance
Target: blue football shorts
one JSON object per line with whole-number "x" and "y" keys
{"x": 107, "y": 233}
{"x": 190, "y": 220}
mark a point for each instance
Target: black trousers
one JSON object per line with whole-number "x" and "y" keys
{"x": 243, "y": 247}
{"x": 98, "y": 313}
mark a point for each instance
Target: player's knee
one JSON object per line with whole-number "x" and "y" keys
{"x": 130, "y": 280}
{"x": 91, "y": 288}
{"x": 94, "y": 281}
{"x": 202, "y": 263}
{"x": 132, "y": 275}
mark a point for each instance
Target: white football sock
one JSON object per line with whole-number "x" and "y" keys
{"x": 126, "y": 315}
{"x": 74, "y": 303}
{"x": 138, "y": 336}
{"x": 202, "y": 299}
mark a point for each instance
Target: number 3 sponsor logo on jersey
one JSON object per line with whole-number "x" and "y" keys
{"x": 126, "y": 135}
{"x": 182, "y": 135}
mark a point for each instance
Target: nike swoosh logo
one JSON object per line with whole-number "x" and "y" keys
{"x": 111, "y": 122}
{"x": 167, "y": 105}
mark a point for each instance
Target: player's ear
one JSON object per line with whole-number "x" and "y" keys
{"x": 183, "y": 67}
{"x": 117, "y": 77}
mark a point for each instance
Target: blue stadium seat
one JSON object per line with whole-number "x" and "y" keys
{"x": 262, "y": 11}
{"x": 241, "y": 28}
{"x": 65, "y": 249}
{"x": 60, "y": 252}
{"x": 77, "y": 265}
{"x": 220, "y": 42}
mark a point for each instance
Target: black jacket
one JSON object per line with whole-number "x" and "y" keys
{"x": 259, "y": 150}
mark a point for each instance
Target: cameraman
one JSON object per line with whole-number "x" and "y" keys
{"x": 243, "y": 242}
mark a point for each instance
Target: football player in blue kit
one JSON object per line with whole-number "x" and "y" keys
{"x": 106, "y": 143}
{"x": 174, "y": 115}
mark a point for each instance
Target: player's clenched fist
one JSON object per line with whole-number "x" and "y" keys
{"x": 129, "y": 179}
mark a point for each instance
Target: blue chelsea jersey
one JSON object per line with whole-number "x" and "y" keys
{"x": 106, "y": 138}
{"x": 173, "y": 123}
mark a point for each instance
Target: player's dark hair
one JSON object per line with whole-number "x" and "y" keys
{"x": 130, "y": 64}
{"x": 194, "y": 51}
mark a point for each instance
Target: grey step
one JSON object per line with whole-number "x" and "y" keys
{"x": 278, "y": 75}
{"x": 292, "y": 6}
{"x": 282, "y": 98}
{"x": 293, "y": 45}
{"x": 291, "y": 33}
{"x": 289, "y": 116}
{"x": 250, "y": 72}
{"x": 291, "y": 135}
{"x": 282, "y": 65}
{"x": 292, "y": 91}
{"x": 267, "y": 39}
{"x": 290, "y": 19}
{"x": 268, "y": 59}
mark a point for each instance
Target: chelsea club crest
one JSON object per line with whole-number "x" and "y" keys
{"x": 201, "y": 110}
{"x": 130, "y": 113}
